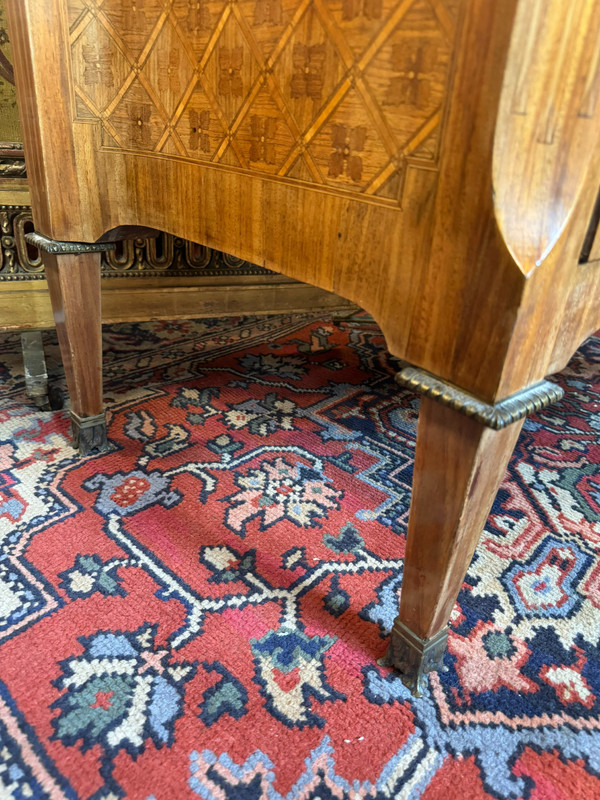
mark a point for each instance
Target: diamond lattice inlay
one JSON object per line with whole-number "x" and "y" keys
{"x": 338, "y": 94}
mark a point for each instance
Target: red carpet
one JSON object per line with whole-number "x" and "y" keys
{"x": 198, "y": 612}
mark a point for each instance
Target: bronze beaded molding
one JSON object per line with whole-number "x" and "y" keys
{"x": 496, "y": 416}
{"x": 66, "y": 248}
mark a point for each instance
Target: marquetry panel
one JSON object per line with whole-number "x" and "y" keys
{"x": 337, "y": 94}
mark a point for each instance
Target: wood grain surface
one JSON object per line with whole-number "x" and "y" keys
{"x": 373, "y": 149}
{"x": 459, "y": 465}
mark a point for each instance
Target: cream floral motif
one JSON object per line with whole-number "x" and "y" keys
{"x": 278, "y": 491}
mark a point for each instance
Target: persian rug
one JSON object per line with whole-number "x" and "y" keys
{"x": 198, "y": 612}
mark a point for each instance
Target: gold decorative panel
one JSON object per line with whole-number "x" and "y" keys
{"x": 10, "y": 129}
{"x": 336, "y": 94}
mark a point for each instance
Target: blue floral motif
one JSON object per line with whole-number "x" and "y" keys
{"x": 337, "y": 600}
{"x": 126, "y": 493}
{"x": 199, "y": 400}
{"x": 263, "y": 417}
{"x": 120, "y": 692}
{"x": 547, "y": 584}
{"x": 12, "y": 505}
{"x": 290, "y": 669}
{"x": 348, "y": 540}
{"x": 226, "y": 564}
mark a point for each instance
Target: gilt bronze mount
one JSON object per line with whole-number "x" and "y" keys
{"x": 493, "y": 415}
{"x": 414, "y": 657}
{"x": 89, "y": 433}
{"x": 66, "y": 248}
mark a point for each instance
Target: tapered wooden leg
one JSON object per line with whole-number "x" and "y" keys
{"x": 74, "y": 284}
{"x": 459, "y": 465}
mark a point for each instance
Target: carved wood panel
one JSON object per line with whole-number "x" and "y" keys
{"x": 336, "y": 94}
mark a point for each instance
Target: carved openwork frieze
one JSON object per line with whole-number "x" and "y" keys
{"x": 164, "y": 256}
{"x": 341, "y": 94}
{"x": 12, "y": 160}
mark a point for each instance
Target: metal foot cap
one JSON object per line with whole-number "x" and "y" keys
{"x": 89, "y": 433}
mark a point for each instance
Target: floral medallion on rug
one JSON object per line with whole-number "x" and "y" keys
{"x": 198, "y": 612}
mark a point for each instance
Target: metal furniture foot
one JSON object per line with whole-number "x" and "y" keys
{"x": 36, "y": 375}
{"x": 47, "y": 397}
{"x": 414, "y": 657}
{"x": 89, "y": 433}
